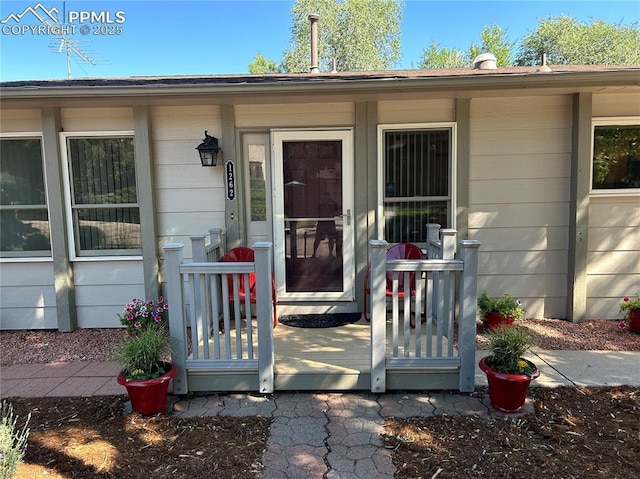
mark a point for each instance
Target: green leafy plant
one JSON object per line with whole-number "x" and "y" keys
{"x": 628, "y": 304}
{"x": 508, "y": 344}
{"x": 141, "y": 355}
{"x": 506, "y": 306}
{"x": 13, "y": 440}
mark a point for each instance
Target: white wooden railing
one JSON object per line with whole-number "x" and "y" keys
{"x": 429, "y": 346}
{"x": 222, "y": 341}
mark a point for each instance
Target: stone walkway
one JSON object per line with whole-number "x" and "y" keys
{"x": 332, "y": 435}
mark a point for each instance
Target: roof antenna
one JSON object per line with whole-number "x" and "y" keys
{"x": 69, "y": 46}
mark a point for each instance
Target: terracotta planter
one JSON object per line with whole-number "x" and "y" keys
{"x": 507, "y": 392}
{"x": 634, "y": 320}
{"x": 494, "y": 320}
{"x": 149, "y": 396}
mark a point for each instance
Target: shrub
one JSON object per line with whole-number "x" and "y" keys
{"x": 13, "y": 441}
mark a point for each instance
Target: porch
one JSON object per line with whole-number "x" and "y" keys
{"x": 223, "y": 347}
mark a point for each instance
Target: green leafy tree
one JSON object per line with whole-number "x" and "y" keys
{"x": 493, "y": 39}
{"x": 566, "y": 41}
{"x": 356, "y": 34}
{"x": 262, "y": 64}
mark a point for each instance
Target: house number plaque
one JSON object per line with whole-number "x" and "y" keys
{"x": 231, "y": 180}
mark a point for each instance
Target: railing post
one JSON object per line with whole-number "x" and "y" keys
{"x": 264, "y": 312}
{"x": 448, "y": 243}
{"x": 378, "y": 258}
{"x": 467, "y": 315}
{"x": 197, "y": 247}
{"x": 433, "y": 235}
{"x": 177, "y": 329}
{"x": 216, "y": 236}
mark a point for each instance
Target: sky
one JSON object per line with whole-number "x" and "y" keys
{"x": 124, "y": 38}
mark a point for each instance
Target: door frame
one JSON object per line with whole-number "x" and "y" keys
{"x": 345, "y": 136}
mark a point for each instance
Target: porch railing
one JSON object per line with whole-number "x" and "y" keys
{"x": 431, "y": 310}
{"x": 212, "y": 340}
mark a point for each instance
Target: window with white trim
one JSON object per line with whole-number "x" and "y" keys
{"x": 616, "y": 156}
{"x": 418, "y": 184}
{"x": 103, "y": 198}
{"x": 24, "y": 217}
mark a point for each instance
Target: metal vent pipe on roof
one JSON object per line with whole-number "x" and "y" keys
{"x": 485, "y": 61}
{"x": 313, "y": 18}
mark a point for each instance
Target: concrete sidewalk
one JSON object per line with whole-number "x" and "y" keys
{"x": 337, "y": 434}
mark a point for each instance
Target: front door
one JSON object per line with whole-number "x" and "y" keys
{"x": 313, "y": 205}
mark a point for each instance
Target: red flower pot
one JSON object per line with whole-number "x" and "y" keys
{"x": 494, "y": 320}
{"x": 634, "y": 320}
{"x": 507, "y": 392}
{"x": 149, "y": 396}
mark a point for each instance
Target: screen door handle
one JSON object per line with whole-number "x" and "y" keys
{"x": 347, "y": 215}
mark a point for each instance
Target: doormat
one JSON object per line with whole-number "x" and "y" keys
{"x": 319, "y": 320}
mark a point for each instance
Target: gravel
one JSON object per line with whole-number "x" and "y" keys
{"x": 26, "y": 347}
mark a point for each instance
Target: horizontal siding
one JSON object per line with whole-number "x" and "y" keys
{"x": 27, "y": 296}
{"x": 186, "y": 124}
{"x": 613, "y": 268}
{"x": 529, "y": 239}
{"x": 416, "y": 111}
{"x": 295, "y": 115}
{"x": 519, "y": 198}
{"x": 18, "y": 121}
{"x": 622, "y": 104}
{"x": 96, "y": 119}
{"x": 103, "y": 288}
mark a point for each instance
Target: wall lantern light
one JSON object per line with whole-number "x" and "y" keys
{"x": 209, "y": 150}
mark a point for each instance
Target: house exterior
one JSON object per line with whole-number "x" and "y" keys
{"x": 98, "y": 175}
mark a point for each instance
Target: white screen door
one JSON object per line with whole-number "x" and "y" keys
{"x": 313, "y": 208}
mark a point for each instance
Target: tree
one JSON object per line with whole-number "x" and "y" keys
{"x": 566, "y": 41}
{"x": 262, "y": 64}
{"x": 356, "y": 34}
{"x": 493, "y": 40}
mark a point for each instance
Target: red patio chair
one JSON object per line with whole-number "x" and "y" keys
{"x": 242, "y": 254}
{"x": 397, "y": 251}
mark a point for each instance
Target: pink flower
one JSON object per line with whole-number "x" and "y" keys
{"x": 137, "y": 324}
{"x": 622, "y": 324}
{"x": 625, "y": 299}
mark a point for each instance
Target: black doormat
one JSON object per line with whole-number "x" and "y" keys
{"x": 319, "y": 320}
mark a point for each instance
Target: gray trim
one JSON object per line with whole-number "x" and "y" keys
{"x": 463, "y": 122}
{"x": 62, "y": 267}
{"x": 579, "y": 207}
{"x": 233, "y": 212}
{"x": 145, "y": 181}
{"x": 364, "y": 164}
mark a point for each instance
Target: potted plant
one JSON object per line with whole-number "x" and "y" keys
{"x": 630, "y": 309}
{"x": 497, "y": 311}
{"x": 143, "y": 355}
{"x": 508, "y": 373}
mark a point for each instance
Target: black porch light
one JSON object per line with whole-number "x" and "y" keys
{"x": 209, "y": 150}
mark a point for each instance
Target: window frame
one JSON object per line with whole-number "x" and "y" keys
{"x": 92, "y": 255}
{"x": 38, "y": 255}
{"x": 453, "y": 156}
{"x": 609, "y": 121}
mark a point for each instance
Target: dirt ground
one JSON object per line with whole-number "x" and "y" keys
{"x": 586, "y": 433}
{"x": 92, "y": 438}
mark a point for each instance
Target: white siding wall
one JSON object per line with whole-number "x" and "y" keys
{"x": 519, "y": 198}
{"x": 613, "y": 269}
{"x": 416, "y": 111}
{"x": 27, "y": 296}
{"x": 103, "y": 286}
{"x": 190, "y": 198}
{"x": 20, "y": 121}
{"x": 296, "y": 115}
